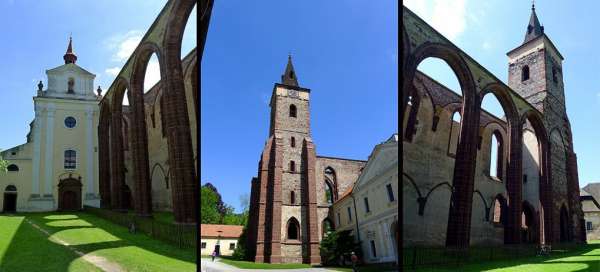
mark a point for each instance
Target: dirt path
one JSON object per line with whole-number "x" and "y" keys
{"x": 100, "y": 262}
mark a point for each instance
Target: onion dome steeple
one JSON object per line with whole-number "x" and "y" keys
{"x": 70, "y": 57}
{"x": 534, "y": 29}
{"x": 289, "y": 76}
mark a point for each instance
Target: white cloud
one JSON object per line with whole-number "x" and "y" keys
{"x": 446, "y": 16}
{"x": 486, "y": 45}
{"x": 124, "y": 44}
{"x": 113, "y": 71}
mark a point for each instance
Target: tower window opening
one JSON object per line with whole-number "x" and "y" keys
{"x": 525, "y": 73}
{"x": 293, "y": 111}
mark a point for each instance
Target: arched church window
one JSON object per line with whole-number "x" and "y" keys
{"x": 71, "y": 85}
{"x": 454, "y": 133}
{"x": 12, "y": 168}
{"x": 496, "y": 155}
{"x": 328, "y": 193}
{"x": 293, "y": 110}
{"x": 525, "y": 73}
{"x": 10, "y": 188}
{"x": 70, "y": 159}
{"x": 293, "y": 229}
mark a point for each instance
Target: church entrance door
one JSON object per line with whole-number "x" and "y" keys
{"x": 69, "y": 194}
{"x": 10, "y": 199}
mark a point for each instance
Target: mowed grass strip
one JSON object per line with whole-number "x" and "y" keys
{"x": 134, "y": 252}
{"x": 586, "y": 258}
{"x": 24, "y": 248}
{"x": 253, "y": 265}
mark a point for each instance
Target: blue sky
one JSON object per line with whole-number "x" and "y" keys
{"x": 346, "y": 52}
{"x": 35, "y": 38}
{"x": 486, "y": 30}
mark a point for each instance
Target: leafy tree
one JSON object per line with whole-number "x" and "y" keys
{"x": 337, "y": 245}
{"x": 3, "y": 164}
{"x": 208, "y": 206}
{"x": 219, "y": 204}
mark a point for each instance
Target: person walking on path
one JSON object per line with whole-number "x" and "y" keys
{"x": 214, "y": 253}
{"x": 354, "y": 258}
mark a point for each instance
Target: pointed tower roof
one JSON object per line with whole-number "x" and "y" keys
{"x": 289, "y": 76}
{"x": 70, "y": 57}
{"x": 534, "y": 29}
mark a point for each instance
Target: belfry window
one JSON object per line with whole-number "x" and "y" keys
{"x": 293, "y": 111}
{"x": 525, "y": 73}
{"x": 70, "y": 159}
{"x": 554, "y": 77}
{"x": 292, "y": 197}
{"x": 293, "y": 142}
{"x": 292, "y": 166}
{"x": 71, "y": 85}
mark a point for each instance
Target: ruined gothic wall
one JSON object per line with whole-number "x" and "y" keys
{"x": 429, "y": 165}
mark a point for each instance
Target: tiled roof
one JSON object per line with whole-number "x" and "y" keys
{"x": 225, "y": 231}
{"x": 345, "y": 194}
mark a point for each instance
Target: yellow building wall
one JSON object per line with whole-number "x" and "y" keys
{"x": 209, "y": 247}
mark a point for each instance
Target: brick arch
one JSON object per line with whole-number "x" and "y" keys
{"x": 453, "y": 58}
{"x": 545, "y": 220}
{"x": 139, "y": 133}
{"x": 502, "y": 94}
{"x": 117, "y": 166}
{"x": 163, "y": 38}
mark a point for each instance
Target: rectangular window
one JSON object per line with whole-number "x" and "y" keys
{"x": 203, "y": 245}
{"x": 524, "y": 179}
{"x": 367, "y": 204}
{"x": 390, "y": 192}
{"x": 70, "y": 159}
{"x": 373, "y": 250}
{"x": 338, "y": 219}
{"x": 589, "y": 226}
{"x": 231, "y": 246}
{"x": 349, "y": 215}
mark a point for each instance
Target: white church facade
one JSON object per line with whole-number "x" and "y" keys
{"x": 57, "y": 168}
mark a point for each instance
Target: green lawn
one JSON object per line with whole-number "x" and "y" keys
{"x": 585, "y": 258}
{"x": 253, "y": 265}
{"x": 24, "y": 248}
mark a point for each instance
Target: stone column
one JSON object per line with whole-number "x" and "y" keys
{"x": 139, "y": 150}
{"x": 37, "y": 131}
{"x": 459, "y": 216}
{"x": 276, "y": 170}
{"x": 104, "y": 161}
{"x": 49, "y": 152}
{"x": 117, "y": 168}
{"x": 514, "y": 183}
{"x": 89, "y": 179}
{"x": 263, "y": 175}
{"x": 309, "y": 163}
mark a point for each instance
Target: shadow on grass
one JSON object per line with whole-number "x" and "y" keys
{"x": 31, "y": 250}
{"x": 583, "y": 259}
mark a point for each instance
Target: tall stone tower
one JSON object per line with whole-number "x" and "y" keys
{"x": 284, "y": 228}
{"x": 535, "y": 72}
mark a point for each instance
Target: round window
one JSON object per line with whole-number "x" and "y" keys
{"x": 70, "y": 122}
